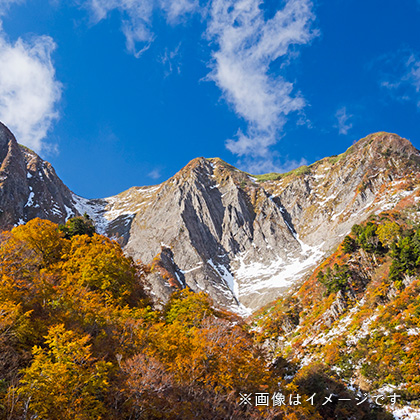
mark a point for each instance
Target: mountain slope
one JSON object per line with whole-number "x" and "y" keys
{"x": 358, "y": 314}
{"x": 29, "y": 186}
{"x": 372, "y": 175}
{"x": 206, "y": 215}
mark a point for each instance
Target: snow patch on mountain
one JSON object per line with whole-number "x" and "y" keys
{"x": 405, "y": 413}
{"x": 257, "y": 276}
{"x": 106, "y": 210}
{"x": 30, "y": 201}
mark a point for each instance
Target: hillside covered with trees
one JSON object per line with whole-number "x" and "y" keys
{"x": 80, "y": 339}
{"x": 357, "y": 317}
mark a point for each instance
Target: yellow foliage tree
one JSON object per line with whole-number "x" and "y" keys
{"x": 388, "y": 233}
{"x": 201, "y": 345}
{"x": 42, "y": 237}
{"x": 100, "y": 264}
{"x": 64, "y": 381}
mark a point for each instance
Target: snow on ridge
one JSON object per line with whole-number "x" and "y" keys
{"x": 95, "y": 209}
{"x": 229, "y": 279}
{"x": 105, "y": 210}
{"x": 224, "y": 274}
{"x": 69, "y": 212}
{"x": 405, "y": 413}
{"x": 55, "y": 209}
{"x": 413, "y": 331}
{"x": 316, "y": 177}
{"x": 200, "y": 264}
{"x": 327, "y": 199}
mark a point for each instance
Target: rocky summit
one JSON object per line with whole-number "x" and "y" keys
{"x": 243, "y": 239}
{"x": 29, "y": 186}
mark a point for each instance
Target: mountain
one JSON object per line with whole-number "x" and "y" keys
{"x": 29, "y": 186}
{"x": 244, "y": 239}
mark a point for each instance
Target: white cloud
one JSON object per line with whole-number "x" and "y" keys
{"x": 343, "y": 123}
{"x": 136, "y": 16}
{"x": 155, "y": 174}
{"x": 170, "y": 59}
{"x": 248, "y": 44}
{"x": 174, "y": 9}
{"x": 136, "y": 20}
{"x": 249, "y": 54}
{"x": 29, "y": 90}
{"x": 413, "y": 72}
{"x": 5, "y": 5}
{"x": 401, "y": 75}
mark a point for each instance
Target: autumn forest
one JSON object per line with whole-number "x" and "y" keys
{"x": 81, "y": 339}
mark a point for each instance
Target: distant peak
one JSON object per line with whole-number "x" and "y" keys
{"x": 385, "y": 143}
{"x": 220, "y": 162}
{"x": 207, "y": 163}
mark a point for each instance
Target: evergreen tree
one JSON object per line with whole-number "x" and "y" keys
{"x": 80, "y": 225}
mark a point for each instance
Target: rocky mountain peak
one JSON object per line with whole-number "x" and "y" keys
{"x": 385, "y": 144}
{"x": 29, "y": 186}
{"x": 10, "y": 152}
{"x": 215, "y": 168}
{"x": 382, "y": 151}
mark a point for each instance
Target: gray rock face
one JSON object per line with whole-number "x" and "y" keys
{"x": 205, "y": 215}
{"x": 29, "y": 186}
{"x": 335, "y": 193}
{"x": 212, "y": 227}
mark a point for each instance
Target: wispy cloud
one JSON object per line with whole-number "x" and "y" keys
{"x": 247, "y": 45}
{"x": 401, "y": 75}
{"x": 29, "y": 91}
{"x": 5, "y": 5}
{"x": 175, "y": 9}
{"x": 343, "y": 118}
{"x": 155, "y": 174}
{"x": 413, "y": 72}
{"x": 170, "y": 59}
{"x": 249, "y": 53}
{"x": 136, "y": 16}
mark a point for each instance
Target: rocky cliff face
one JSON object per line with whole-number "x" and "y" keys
{"x": 211, "y": 227}
{"x": 211, "y": 216}
{"x": 29, "y": 186}
{"x": 336, "y": 192}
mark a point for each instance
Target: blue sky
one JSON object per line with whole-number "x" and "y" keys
{"x": 116, "y": 93}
